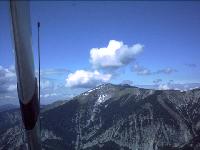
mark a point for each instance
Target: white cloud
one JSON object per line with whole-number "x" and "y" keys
{"x": 12, "y": 87}
{"x": 115, "y": 55}
{"x": 171, "y": 84}
{"x": 52, "y": 88}
{"x": 8, "y": 85}
{"x": 7, "y": 72}
{"x": 141, "y": 70}
{"x": 49, "y": 95}
{"x": 45, "y": 84}
{"x": 86, "y": 79}
{"x": 7, "y": 79}
{"x": 163, "y": 87}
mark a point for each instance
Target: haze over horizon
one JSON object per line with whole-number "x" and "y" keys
{"x": 84, "y": 44}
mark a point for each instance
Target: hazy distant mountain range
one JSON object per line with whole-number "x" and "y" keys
{"x": 114, "y": 117}
{"x": 67, "y": 95}
{"x": 8, "y": 107}
{"x": 169, "y": 85}
{"x": 157, "y": 86}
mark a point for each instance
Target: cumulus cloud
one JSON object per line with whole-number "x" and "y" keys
{"x": 8, "y": 86}
{"x": 7, "y": 72}
{"x": 51, "y": 89}
{"x": 12, "y": 87}
{"x": 49, "y": 95}
{"x": 170, "y": 84}
{"x": 115, "y": 55}
{"x": 140, "y": 70}
{"x": 163, "y": 87}
{"x": 44, "y": 83}
{"x": 86, "y": 79}
{"x": 7, "y": 79}
{"x": 178, "y": 86}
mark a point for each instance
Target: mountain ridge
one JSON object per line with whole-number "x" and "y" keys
{"x": 118, "y": 117}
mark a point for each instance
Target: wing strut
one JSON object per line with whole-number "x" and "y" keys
{"x": 25, "y": 71}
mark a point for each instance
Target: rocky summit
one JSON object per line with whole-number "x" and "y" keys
{"x": 113, "y": 117}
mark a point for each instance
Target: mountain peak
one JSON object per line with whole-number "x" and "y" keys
{"x": 115, "y": 117}
{"x": 111, "y": 92}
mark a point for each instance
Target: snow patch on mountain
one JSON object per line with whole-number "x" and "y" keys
{"x": 46, "y": 134}
{"x": 102, "y": 99}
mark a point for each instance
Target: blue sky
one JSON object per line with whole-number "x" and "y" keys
{"x": 168, "y": 33}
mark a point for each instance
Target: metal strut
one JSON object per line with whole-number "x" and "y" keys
{"x": 38, "y": 25}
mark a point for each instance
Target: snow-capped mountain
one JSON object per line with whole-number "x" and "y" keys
{"x": 114, "y": 117}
